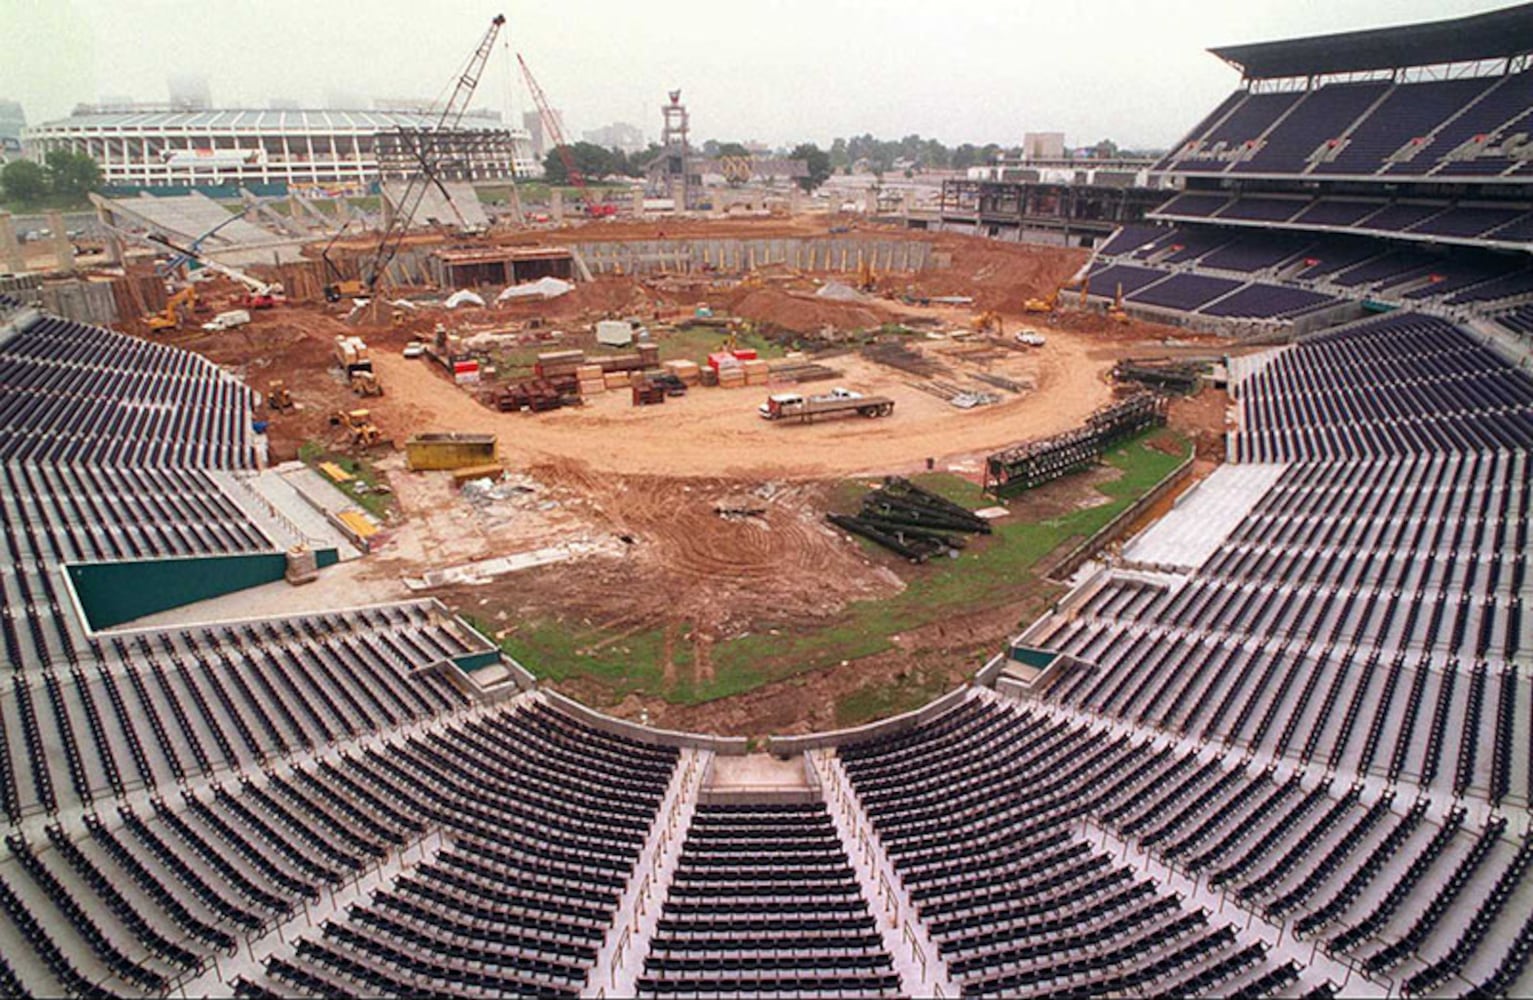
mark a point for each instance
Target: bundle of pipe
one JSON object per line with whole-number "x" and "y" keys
{"x": 912, "y": 522}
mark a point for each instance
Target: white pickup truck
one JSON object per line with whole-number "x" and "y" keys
{"x": 228, "y": 320}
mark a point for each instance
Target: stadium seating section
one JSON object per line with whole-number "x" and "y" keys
{"x": 1314, "y": 197}
{"x": 1290, "y": 756}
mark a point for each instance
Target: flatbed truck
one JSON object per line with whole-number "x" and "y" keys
{"x": 792, "y": 406}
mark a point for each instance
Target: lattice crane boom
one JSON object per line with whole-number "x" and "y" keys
{"x": 425, "y": 154}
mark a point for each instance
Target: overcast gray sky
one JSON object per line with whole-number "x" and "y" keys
{"x": 1134, "y": 71}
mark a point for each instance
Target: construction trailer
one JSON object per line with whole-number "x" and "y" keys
{"x": 449, "y": 451}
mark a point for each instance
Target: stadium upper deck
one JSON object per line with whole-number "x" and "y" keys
{"x": 1441, "y": 102}
{"x": 1390, "y": 167}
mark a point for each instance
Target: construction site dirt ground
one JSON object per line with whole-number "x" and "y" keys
{"x": 672, "y": 579}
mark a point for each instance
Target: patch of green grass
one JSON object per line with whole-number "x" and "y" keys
{"x": 993, "y": 571}
{"x": 695, "y": 343}
{"x": 879, "y": 699}
{"x": 630, "y": 664}
{"x": 312, "y": 453}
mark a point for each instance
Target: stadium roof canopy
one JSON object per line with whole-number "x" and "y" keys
{"x": 260, "y": 120}
{"x": 1494, "y": 35}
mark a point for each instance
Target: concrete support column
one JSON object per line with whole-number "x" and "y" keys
{"x": 556, "y": 204}
{"x": 10, "y": 251}
{"x": 638, "y": 204}
{"x": 63, "y": 251}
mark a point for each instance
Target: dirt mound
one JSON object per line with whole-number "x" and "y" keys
{"x": 774, "y": 307}
{"x": 719, "y": 572}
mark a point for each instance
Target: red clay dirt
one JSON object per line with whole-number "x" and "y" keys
{"x": 653, "y": 473}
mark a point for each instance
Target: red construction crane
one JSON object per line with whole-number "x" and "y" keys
{"x": 555, "y": 134}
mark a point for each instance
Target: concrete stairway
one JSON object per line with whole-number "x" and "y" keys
{"x": 920, "y": 966}
{"x": 620, "y": 960}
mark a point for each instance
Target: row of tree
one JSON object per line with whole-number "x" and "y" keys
{"x": 911, "y": 154}
{"x": 916, "y": 154}
{"x": 63, "y": 174}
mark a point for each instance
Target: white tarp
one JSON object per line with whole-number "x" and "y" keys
{"x": 838, "y": 292}
{"x": 463, "y": 297}
{"x": 543, "y": 288}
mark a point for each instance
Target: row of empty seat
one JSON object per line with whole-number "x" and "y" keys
{"x": 1201, "y": 269}
{"x": 72, "y": 393}
{"x": 1479, "y": 220}
{"x": 980, "y": 813}
{"x": 1399, "y": 384}
{"x": 157, "y": 709}
{"x": 765, "y": 902}
{"x": 1378, "y": 128}
{"x": 542, "y": 817}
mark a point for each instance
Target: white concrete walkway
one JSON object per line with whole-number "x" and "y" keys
{"x": 920, "y": 966}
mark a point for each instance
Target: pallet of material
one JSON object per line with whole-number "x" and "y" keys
{"x": 335, "y": 473}
{"x": 803, "y": 371}
{"x": 690, "y": 372}
{"x": 589, "y": 387}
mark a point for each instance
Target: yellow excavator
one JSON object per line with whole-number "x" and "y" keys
{"x": 177, "y": 307}
{"x": 1042, "y": 305}
{"x": 867, "y": 281}
{"x": 986, "y": 322}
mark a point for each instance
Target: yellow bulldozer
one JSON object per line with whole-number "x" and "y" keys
{"x": 279, "y": 399}
{"x": 365, "y": 383}
{"x": 1116, "y": 312}
{"x": 359, "y": 425}
{"x": 986, "y": 322}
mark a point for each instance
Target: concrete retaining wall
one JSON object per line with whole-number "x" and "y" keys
{"x": 83, "y": 301}
{"x": 740, "y": 256}
{"x": 1112, "y": 529}
{"x": 732, "y": 745}
{"x": 115, "y": 592}
{"x": 28, "y": 288}
{"x": 787, "y": 746}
